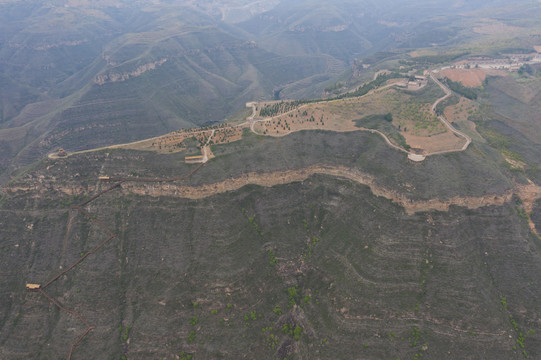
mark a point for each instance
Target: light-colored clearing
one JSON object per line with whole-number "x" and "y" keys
{"x": 435, "y": 143}
{"x": 468, "y": 77}
{"x": 494, "y": 27}
{"x": 460, "y": 111}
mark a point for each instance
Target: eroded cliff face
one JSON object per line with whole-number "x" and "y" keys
{"x": 527, "y": 193}
{"x": 113, "y": 76}
{"x": 43, "y": 47}
{"x": 311, "y": 248}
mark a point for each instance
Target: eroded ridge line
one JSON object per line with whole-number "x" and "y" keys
{"x": 97, "y": 196}
{"x": 281, "y": 177}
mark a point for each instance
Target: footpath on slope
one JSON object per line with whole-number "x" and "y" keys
{"x": 442, "y": 118}
{"x": 167, "y": 187}
{"x": 411, "y": 155}
{"x": 80, "y": 208}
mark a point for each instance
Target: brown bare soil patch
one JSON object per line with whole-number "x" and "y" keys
{"x": 225, "y": 136}
{"x": 174, "y": 142}
{"x": 435, "y": 143}
{"x": 306, "y": 117}
{"x": 468, "y": 77}
{"x": 493, "y": 27}
{"x": 529, "y": 195}
{"x": 336, "y": 115}
{"x": 460, "y": 111}
{"x": 515, "y": 164}
{"x": 415, "y": 121}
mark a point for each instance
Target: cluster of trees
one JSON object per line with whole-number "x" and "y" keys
{"x": 281, "y": 107}
{"x": 437, "y": 59}
{"x": 364, "y": 89}
{"x": 526, "y": 68}
{"x": 285, "y": 106}
{"x": 461, "y": 89}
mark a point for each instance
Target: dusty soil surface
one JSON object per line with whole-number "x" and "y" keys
{"x": 336, "y": 115}
{"x": 173, "y": 142}
{"x": 529, "y": 195}
{"x": 468, "y": 77}
{"x": 460, "y": 111}
{"x": 424, "y": 130}
{"x": 492, "y": 27}
{"x": 440, "y": 142}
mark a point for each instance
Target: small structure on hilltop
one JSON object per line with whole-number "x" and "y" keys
{"x": 416, "y": 157}
{"x": 61, "y": 153}
{"x": 416, "y": 154}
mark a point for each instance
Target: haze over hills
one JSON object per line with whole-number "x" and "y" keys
{"x": 271, "y": 180}
{"x": 78, "y": 74}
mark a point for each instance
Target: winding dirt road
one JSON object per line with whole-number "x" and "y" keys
{"x": 251, "y": 121}
{"x": 448, "y": 93}
{"x": 411, "y": 155}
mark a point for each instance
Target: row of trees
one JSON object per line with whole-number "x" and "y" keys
{"x": 461, "y": 89}
{"x": 281, "y": 107}
{"x": 285, "y": 106}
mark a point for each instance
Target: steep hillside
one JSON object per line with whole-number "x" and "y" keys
{"x": 79, "y": 74}
{"x": 388, "y": 210}
{"x": 118, "y": 74}
{"x": 515, "y": 123}
{"x": 304, "y": 270}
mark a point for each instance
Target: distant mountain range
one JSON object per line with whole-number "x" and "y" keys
{"x": 79, "y": 74}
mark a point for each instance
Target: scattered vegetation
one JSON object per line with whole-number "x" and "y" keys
{"x": 272, "y": 258}
{"x": 381, "y": 123}
{"x": 457, "y": 87}
{"x": 427, "y": 60}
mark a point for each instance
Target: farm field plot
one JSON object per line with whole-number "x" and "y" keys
{"x": 405, "y": 117}
{"x": 461, "y": 110}
{"x": 468, "y": 77}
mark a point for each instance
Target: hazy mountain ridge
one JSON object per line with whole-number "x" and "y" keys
{"x": 315, "y": 244}
{"x": 53, "y": 53}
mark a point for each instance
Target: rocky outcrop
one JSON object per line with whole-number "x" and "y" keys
{"x": 528, "y": 193}
{"x": 117, "y": 76}
{"x": 48, "y": 46}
